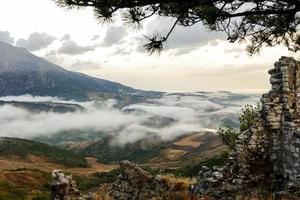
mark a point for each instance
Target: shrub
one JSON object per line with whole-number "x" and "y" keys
{"x": 249, "y": 116}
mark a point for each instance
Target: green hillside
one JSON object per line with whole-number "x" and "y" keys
{"x": 23, "y": 148}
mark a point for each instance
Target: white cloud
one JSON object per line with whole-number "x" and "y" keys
{"x": 183, "y": 39}
{"x": 66, "y": 37}
{"x": 114, "y": 35}
{"x": 72, "y": 48}
{"x": 6, "y": 37}
{"x": 36, "y": 41}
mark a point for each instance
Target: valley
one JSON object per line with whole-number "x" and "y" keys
{"x": 52, "y": 118}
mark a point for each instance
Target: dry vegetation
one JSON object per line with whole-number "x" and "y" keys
{"x": 190, "y": 141}
{"x": 178, "y": 189}
{"x": 38, "y": 162}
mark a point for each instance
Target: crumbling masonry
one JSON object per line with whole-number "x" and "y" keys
{"x": 278, "y": 130}
{"x": 282, "y": 120}
{"x": 268, "y": 154}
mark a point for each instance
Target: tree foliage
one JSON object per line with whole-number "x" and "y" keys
{"x": 249, "y": 116}
{"x": 263, "y": 22}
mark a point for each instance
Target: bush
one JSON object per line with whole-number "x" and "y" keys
{"x": 249, "y": 116}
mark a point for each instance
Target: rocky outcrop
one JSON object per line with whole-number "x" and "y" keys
{"x": 135, "y": 184}
{"x": 268, "y": 154}
{"x": 64, "y": 188}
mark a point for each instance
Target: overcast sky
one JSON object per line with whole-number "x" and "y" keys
{"x": 195, "y": 59}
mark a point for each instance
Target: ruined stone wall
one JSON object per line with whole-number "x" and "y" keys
{"x": 283, "y": 120}
{"x": 267, "y": 155}
{"x": 277, "y": 133}
{"x": 279, "y": 125}
{"x": 273, "y": 143}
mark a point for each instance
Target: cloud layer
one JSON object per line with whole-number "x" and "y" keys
{"x": 167, "y": 117}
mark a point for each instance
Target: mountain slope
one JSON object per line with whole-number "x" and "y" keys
{"x": 24, "y": 73}
{"x": 182, "y": 151}
{"x": 23, "y": 149}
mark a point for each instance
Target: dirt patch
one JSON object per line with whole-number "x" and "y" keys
{"x": 193, "y": 141}
{"x": 174, "y": 154}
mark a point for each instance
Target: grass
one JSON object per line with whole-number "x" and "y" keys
{"x": 9, "y": 191}
{"x": 140, "y": 152}
{"x": 193, "y": 170}
{"x": 86, "y": 183}
{"x": 23, "y": 148}
{"x": 25, "y": 184}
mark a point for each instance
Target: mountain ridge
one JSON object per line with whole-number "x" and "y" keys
{"x": 24, "y": 73}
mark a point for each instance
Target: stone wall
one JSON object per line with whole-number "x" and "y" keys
{"x": 280, "y": 123}
{"x": 267, "y": 154}
{"x": 283, "y": 120}
{"x": 277, "y": 134}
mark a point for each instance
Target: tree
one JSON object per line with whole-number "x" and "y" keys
{"x": 263, "y": 22}
{"x": 249, "y": 116}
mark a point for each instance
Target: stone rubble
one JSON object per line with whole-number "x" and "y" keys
{"x": 64, "y": 188}
{"x": 135, "y": 184}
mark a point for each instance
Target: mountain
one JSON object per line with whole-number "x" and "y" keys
{"x": 24, "y": 73}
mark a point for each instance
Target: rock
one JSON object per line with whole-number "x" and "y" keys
{"x": 136, "y": 184}
{"x": 217, "y": 175}
{"x": 64, "y": 188}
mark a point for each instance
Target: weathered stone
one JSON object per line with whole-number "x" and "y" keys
{"x": 136, "y": 184}
{"x": 269, "y": 150}
{"x": 64, "y": 188}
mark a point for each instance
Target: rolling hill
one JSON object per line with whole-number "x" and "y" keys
{"x": 154, "y": 152}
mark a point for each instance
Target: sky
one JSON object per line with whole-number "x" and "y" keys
{"x": 194, "y": 59}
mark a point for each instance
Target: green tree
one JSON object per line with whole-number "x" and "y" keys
{"x": 249, "y": 116}
{"x": 264, "y": 22}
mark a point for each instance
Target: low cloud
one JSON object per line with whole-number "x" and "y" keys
{"x": 72, "y": 48}
{"x": 36, "y": 41}
{"x": 6, "y": 37}
{"x": 168, "y": 117}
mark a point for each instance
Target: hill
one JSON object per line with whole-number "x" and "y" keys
{"x": 38, "y": 107}
{"x": 22, "y": 149}
{"x": 24, "y": 73}
{"x": 154, "y": 152}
